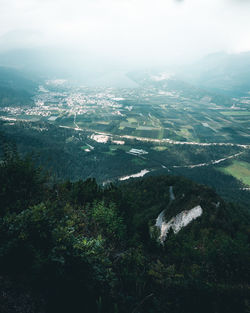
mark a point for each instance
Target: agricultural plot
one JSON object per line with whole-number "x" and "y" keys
{"x": 154, "y": 110}
{"x": 240, "y": 170}
{"x": 157, "y": 117}
{"x": 235, "y": 113}
{"x": 109, "y": 161}
{"x": 159, "y": 148}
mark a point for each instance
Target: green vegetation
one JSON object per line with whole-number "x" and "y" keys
{"x": 132, "y": 120}
{"x": 70, "y": 243}
{"x": 15, "y": 89}
{"x": 111, "y": 152}
{"x": 235, "y": 113}
{"x": 156, "y": 109}
{"x": 139, "y": 161}
{"x": 61, "y": 151}
{"x": 159, "y": 148}
{"x": 77, "y": 247}
{"x": 240, "y": 170}
{"x": 120, "y": 147}
{"x": 84, "y": 147}
{"x": 185, "y": 132}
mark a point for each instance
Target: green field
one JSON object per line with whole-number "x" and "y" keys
{"x": 120, "y": 147}
{"x": 102, "y": 122}
{"x": 84, "y": 147}
{"x": 235, "y": 113}
{"x": 110, "y": 153}
{"x": 240, "y": 170}
{"x": 184, "y": 132}
{"x": 132, "y": 120}
{"x": 160, "y": 148}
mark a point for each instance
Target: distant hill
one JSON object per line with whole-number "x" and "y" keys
{"x": 112, "y": 79}
{"x": 15, "y": 88}
{"x": 224, "y": 73}
{"x": 16, "y": 80}
{"x": 177, "y": 83}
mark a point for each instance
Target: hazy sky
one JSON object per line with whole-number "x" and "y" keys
{"x": 142, "y": 31}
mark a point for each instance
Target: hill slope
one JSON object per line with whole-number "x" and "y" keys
{"x": 221, "y": 72}
{"x": 75, "y": 247}
{"x": 15, "y": 88}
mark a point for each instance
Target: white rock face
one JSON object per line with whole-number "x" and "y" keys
{"x": 159, "y": 220}
{"x": 171, "y": 193}
{"x": 178, "y": 222}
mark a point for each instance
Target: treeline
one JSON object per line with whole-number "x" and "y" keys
{"x": 226, "y": 186}
{"x": 77, "y": 247}
{"x": 61, "y": 151}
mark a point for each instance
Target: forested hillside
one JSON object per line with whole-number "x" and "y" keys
{"x": 77, "y": 247}
{"x": 64, "y": 152}
{"x": 15, "y": 88}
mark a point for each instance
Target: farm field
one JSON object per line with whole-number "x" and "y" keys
{"x": 157, "y": 109}
{"x": 240, "y": 170}
{"x": 236, "y": 113}
{"x": 175, "y": 128}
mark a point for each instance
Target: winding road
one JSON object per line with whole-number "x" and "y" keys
{"x": 165, "y": 140}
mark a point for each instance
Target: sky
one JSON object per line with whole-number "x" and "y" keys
{"x": 128, "y": 32}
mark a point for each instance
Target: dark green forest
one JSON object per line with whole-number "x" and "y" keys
{"x": 15, "y": 88}
{"x": 78, "y": 247}
{"x": 61, "y": 152}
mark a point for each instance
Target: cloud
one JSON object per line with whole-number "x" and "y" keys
{"x": 240, "y": 1}
{"x": 128, "y": 31}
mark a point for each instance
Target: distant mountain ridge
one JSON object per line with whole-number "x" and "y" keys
{"x": 176, "y": 83}
{"x": 224, "y": 73}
